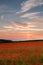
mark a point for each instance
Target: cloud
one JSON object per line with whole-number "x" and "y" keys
{"x": 6, "y": 9}
{"x": 2, "y": 17}
{"x": 28, "y": 30}
{"x": 8, "y": 27}
{"x": 25, "y": 27}
{"x": 28, "y": 4}
{"x": 3, "y": 7}
{"x": 30, "y": 15}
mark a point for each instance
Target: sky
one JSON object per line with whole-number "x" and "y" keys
{"x": 21, "y": 19}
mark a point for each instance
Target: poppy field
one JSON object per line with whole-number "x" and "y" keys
{"x": 21, "y": 53}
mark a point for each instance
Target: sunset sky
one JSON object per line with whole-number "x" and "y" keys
{"x": 21, "y": 19}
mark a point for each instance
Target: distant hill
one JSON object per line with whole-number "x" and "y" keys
{"x": 10, "y": 41}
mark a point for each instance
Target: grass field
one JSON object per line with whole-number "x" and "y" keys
{"x": 22, "y": 53}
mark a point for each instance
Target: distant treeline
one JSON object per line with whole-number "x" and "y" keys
{"x": 5, "y": 41}
{"x": 10, "y": 41}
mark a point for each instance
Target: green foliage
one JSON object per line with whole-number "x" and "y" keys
{"x": 41, "y": 60}
{"x": 32, "y": 60}
{"x": 15, "y": 62}
{"x": 8, "y": 62}
{"x": 2, "y": 62}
